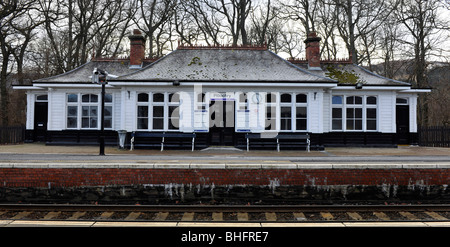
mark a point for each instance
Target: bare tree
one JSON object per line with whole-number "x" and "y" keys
{"x": 151, "y": 17}
{"x": 304, "y": 11}
{"x": 421, "y": 21}
{"x": 207, "y": 22}
{"x": 235, "y": 12}
{"x": 262, "y": 23}
{"x": 17, "y": 23}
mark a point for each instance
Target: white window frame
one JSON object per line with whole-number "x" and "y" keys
{"x": 363, "y": 106}
{"x": 165, "y": 104}
{"x": 293, "y": 105}
{"x": 274, "y": 112}
{"x": 79, "y": 106}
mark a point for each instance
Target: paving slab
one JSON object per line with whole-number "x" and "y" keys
{"x": 5, "y": 222}
{"x": 36, "y": 223}
{"x": 218, "y": 224}
{"x": 298, "y": 224}
{"x": 385, "y": 224}
{"x": 438, "y": 224}
{"x": 134, "y": 224}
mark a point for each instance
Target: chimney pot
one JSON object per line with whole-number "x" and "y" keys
{"x": 137, "y": 49}
{"x": 313, "y": 51}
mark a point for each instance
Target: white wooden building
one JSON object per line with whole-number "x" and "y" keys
{"x": 220, "y": 94}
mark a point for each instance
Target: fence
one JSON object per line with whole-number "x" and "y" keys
{"x": 434, "y": 136}
{"x": 12, "y": 134}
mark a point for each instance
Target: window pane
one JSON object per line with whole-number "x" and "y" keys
{"x": 337, "y": 113}
{"x": 337, "y": 100}
{"x": 270, "y": 112}
{"x": 350, "y": 125}
{"x": 358, "y": 124}
{"x": 108, "y": 111}
{"x": 371, "y": 113}
{"x": 108, "y": 98}
{"x": 174, "y": 98}
{"x": 72, "y": 98}
{"x": 286, "y": 98}
{"x": 142, "y": 111}
{"x": 158, "y": 111}
{"x": 285, "y": 124}
{"x": 371, "y": 100}
{"x": 301, "y": 98}
{"x": 301, "y": 112}
{"x": 270, "y": 98}
{"x": 93, "y": 112}
{"x": 174, "y": 123}
{"x": 350, "y": 113}
{"x": 158, "y": 123}
{"x": 158, "y": 97}
{"x": 402, "y": 101}
{"x": 93, "y": 122}
{"x": 142, "y": 123}
{"x": 72, "y": 111}
{"x": 174, "y": 111}
{"x": 85, "y": 122}
{"x": 71, "y": 122}
{"x": 358, "y": 100}
{"x": 358, "y": 113}
{"x": 94, "y": 98}
{"x": 301, "y": 124}
{"x": 350, "y": 100}
{"x": 143, "y": 97}
{"x": 371, "y": 124}
{"x": 85, "y": 111}
{"x": 108, "y": 123}
{"x": 42, "y": 97}
{"x": 285, "y": 112}
{"x": 337, "y": 124}
{"x": 85, "y": 98}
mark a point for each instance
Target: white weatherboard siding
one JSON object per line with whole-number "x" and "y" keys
{"x": 56, "y": 110}
{"x": 326, "y": 111}
{"x": 413, "y": 113}
{"x": 117, "y": 109}
{"x": 314, "y": 112}
{"x": 30, "y": 110}
{"x": 386, "y": 112}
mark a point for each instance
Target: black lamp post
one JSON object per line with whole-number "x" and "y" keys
{"x": 99, "y": 77}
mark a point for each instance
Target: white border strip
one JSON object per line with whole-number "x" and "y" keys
{"x": 253, "y": 166}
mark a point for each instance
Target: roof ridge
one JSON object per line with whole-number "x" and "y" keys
{"x": 222, "y": 47}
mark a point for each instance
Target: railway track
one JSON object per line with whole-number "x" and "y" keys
{"x": 227, "y": 213}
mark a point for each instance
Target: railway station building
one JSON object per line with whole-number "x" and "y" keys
{"x": 220, "y": 95}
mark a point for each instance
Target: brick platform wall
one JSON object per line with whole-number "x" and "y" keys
{"x": 222, "y": 186}
{"x": 43, "y": 177}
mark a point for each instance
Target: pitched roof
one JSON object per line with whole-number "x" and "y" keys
{"x": 82, "y": 73}
{"x": 367, "y": 77}
{"x": 223, "y": 64}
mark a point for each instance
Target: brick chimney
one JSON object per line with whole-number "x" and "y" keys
{"x": 137, "y": 49}
{"x": 313, "y": 51}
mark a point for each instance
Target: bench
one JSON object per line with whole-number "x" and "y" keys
{"x": 286, "y": 136}
{"x": 163, "y": 136}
